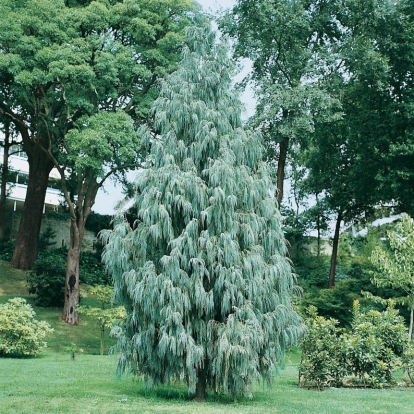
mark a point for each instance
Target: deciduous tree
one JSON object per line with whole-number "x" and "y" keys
{"x": 62, "y": 61}
{"x": 396, "y": 268}
{"x": 292, "y": 46}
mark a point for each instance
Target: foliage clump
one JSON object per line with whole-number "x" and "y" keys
{"x": 20, "y": 333}
{"x": 203, "y": 272}
{"x": 369, "y": 353}
{"x": 323, "y": 354}
{"x": 47, "y": 278}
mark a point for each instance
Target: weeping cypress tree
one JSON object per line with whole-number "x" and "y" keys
{"x": 203, "y": 272}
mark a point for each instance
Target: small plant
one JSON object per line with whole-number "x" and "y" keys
{"x": 20, "y": 333}
{"x": 6, "y": 250}
{"x": 73, "y": 350}
{"x": 408, "y": 362}
{"x": 46, "y": 239}
{"x": 105, "y": 316}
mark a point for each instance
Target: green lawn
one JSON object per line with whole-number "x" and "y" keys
{"x": 53, "y": 383}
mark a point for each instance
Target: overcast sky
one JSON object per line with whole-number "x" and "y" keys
{"x": 214, "y": 5}
{"x": 108, "y": 197}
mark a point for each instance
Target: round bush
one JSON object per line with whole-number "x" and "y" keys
{"x": 20, "y": 333}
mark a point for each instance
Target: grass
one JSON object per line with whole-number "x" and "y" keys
{"x": 53, "y": 383}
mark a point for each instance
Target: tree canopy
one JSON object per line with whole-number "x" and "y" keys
{"x": 62, "y": 61}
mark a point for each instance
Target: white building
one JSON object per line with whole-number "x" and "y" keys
{"x": 17, "y": 187}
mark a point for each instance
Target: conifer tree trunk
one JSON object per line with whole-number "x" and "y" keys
{"x": 201, "y": 387}
{"x": 332, "y": 271}
{"x": 25, "y": 251}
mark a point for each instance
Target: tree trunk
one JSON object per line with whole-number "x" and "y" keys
{"x": 25, "y": 251}
{"x": 318, "y": 227}
{"x": 4, "y": 174}
{"x": 79, "y": 215}
{"x": 201, "y": 386}
{"x": 102, "y": 339}
{"x": 410, "y": 331}
{"x": 281, "y": 163}
{"x": 332, "y": 271}
{"x": 70, "y": 313}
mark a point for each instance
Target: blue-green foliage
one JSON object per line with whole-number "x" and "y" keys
{"x": 203, "y": 273}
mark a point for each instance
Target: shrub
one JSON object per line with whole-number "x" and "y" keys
{"x": 408, "y": 362}
{"x": 92, "y": 271}
{"x": 374, "y": 348}
{"x": 20, "y": 333}
{"x": 47, "y": 278}
{"x": 6, "y": 250}
{"x": 376, "y": 344}
{"x": 322, "y": 352}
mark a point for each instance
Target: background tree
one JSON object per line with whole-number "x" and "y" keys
{"x": 397, "y": 174}
{"x": 345, "y": 158}
{"x": 103, "y": 145}
{"x": 291, "y": 45}
{"x": 61, "y": 61}
{"x": 7, "y": 144}
{"x": 203, "y": 273}
{"x": 396, "y": 268}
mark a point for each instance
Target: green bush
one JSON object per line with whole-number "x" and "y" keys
{"x": 371, "y": 351}
{"x": 323, "y": 355}
{"x": 376, "y": 344}
{"x": 47, "y": 278}
{"x": 408, "y": 362}
{"x": 6, "y": 250}
{"x": 20, "y": 333}
{"x": 91, "y": 269}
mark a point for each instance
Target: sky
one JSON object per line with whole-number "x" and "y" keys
{"x": 111, "y": 194}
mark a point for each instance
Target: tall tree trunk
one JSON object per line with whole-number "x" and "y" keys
{"x": 332, "y": 271}
{"x": 201, "y": 386}
{"x": 25, "y": 251}
{"x": 318, "y": 227}
{"x": 410, "y": 331}
{"x": 4, "y": 174}
{"x": 79, "y": 215}
{"x": 281, "y": 164}
{"x": 70, "y": 313}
